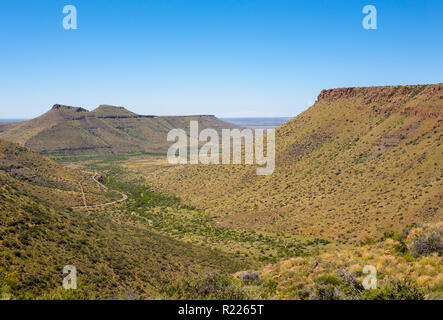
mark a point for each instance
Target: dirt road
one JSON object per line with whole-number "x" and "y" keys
{"x": 85, "y": 206}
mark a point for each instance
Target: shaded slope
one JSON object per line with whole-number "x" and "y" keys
{"x": 42, "y": 178}
{"x": 114, "y": 257}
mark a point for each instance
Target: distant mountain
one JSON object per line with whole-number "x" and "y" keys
{"x": 66, "y": 130}
{"x": 12, "y": 120}
{"x": 359, "y": 162}
{"x": 258, "y": 123}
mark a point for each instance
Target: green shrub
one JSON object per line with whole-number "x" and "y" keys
{"x": 426, "y": 244}
{"x": 401, "y": 247}
{"x": 212, "y": 286}
{"x": 327, "y": 287}
{"x": 395, "y": 290}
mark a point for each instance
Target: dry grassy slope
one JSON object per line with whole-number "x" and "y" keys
{"x": 106, "y": 130}
{"x": 42, "y": 178}
{"x": 296, "y": 278}
{"x": 358, "y": 162}
{"x": 114, "y": 258}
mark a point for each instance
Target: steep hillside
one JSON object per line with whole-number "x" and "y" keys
{"x": 358, "y": 162}
{"x": 114, "y": 257}
{"x": 46, "y": 180}
{"x": 68, "y": 130}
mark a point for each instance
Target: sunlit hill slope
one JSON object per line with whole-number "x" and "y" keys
{"x": 66, "y": 130}
{"x": 359, "y": 162}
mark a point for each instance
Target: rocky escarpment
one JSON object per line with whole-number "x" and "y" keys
{"x": 390, "y": 99}
{"x": 381, "y": 94}
{"x": 332, "y": 94}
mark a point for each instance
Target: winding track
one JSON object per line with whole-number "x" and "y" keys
{"x": 94, "y": 177}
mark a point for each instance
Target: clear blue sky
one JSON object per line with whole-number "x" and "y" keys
{"x": 223, "y": 57}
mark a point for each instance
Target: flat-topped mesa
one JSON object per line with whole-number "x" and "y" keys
{"x": 387, "y": 99}
{"x": 381, "y": 93}
{"x": 196, "y": 116}
{"x": 108, "y": 129}
{"x": 110, "y": 107}
{"x": 206, "y": 115}
{"x": 109, "y": 111}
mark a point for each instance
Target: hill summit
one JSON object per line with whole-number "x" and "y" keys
{"x": 108, "y": 111}
{"x": 67, "y": 130}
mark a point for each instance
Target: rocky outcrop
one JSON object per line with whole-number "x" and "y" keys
{"x": 383, "y": 94}
{"x": 332, "y": 94}
{"x": 64, "y": 107}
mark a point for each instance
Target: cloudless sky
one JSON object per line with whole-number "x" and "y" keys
{"x": 232, "y": 58}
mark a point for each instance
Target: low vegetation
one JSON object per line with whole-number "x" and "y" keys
{"x": 115, "y": 257}
{"x": 334, "y": 275}
{"x": 170, "y": 216}
{"x": 360, "y": 161}
{"x": 357, "y": 183}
